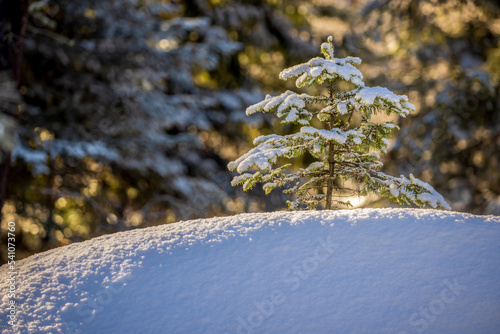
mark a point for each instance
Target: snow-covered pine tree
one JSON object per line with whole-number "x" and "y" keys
{"x": 344, "y": 151}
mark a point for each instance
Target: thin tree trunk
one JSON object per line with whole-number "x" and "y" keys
{"x": 331, "y": 159}
{"x": 331, "y": 174}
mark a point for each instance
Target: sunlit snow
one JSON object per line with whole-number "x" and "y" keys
{"x": 349, "y": 271}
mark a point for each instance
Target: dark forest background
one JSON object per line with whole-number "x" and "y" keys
{"x": 119, "y": 114}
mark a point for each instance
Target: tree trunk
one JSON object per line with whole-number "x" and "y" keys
{"x": 331, "y": 157}
{"x": 331, "y": 169}
{"x": 331, "y": 174}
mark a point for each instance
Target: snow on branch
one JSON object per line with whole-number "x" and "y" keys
{"x": 289, "y": 106}
{"x": 383, "y": 98}
{"x": 407, "y": 191}
{"x": 269, "y": 149}
{"x": 319, "y": 70}
{"x": 335, "y": 134}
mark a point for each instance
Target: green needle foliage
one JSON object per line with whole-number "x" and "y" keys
{"x": 343, "y": 150}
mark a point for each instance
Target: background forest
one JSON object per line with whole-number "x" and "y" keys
{"x": 118, "y": 114}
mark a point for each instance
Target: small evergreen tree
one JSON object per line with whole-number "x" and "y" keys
{"x": 344, "y": 151}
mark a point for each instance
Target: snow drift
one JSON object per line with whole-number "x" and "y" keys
{"x": 351, "y": 271}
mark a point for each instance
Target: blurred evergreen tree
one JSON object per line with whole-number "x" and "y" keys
{"x": 447, "y": 54}
{"x": 131, "y": 109}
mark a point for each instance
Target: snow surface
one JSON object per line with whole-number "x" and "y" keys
{"x": 349, "y": 271}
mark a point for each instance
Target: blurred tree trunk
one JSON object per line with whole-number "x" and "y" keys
{"x": 13, "y": 19}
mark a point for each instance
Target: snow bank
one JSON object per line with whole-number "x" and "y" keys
{"x": 357, "y": 271}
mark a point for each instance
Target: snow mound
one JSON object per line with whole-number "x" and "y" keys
{"x": 350, "y": 271}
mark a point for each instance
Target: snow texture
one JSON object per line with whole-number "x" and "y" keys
{"x": 342, "y": 108}
{"x": 350, "y": 271}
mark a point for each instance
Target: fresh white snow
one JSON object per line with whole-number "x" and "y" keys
{"x": 349, "y": 271}
{"x": 324, "y": 69}
{"x": 335, "y": 134}
{"x": 369, "y": 96}
{"x": 269, "y": 149}
{"x": 289, "y": 105}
